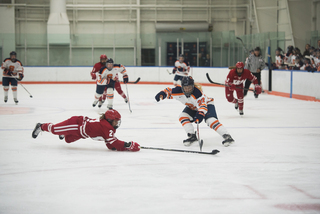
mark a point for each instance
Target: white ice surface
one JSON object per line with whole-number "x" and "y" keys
{"x": 274, "y": 166}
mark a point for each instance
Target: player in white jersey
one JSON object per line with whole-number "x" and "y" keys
{"x": 12, "y": 73}
{"x": 106, "y": 77}
{"x": 198, "y": 107}
{"x": 181, "y": 69}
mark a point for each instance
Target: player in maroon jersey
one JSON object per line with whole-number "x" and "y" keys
{"x": 234, "y": 82}
{"x": 117, "y": 86}
{"x": 80, "y": 127}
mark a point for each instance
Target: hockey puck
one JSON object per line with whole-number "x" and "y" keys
{"x": 31, "y": 96}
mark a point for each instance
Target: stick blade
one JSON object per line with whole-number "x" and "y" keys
{"x": 215, "y": 151}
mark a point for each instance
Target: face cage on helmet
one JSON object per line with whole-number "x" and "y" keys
{"x": 188, "y": 94}
{"x": 109, "y": 68}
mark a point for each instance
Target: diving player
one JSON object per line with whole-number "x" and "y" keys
{"x": 198, "y": 107}
{"x": 234, "y": 82}
{"x": 106, "y": 78}
{"x": 80, "y": 127}
{"x": 181, "y": 69}
{"x": 12, "y": 73}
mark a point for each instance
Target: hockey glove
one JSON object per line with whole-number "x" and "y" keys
{"x": 257, "y": 89}
{"x": 93, "y": 76}
{"x": 125, "y": 79}
{"x": 174, "y": 71}
{"x": 132, "y": 146}
{"x": 161, "y": 95}
{"x": 20, "y": 77}
{"x": 6, "y": 71}
{"x": 199, "y": 117}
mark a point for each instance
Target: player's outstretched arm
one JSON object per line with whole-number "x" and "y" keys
{"x": 160, "y": 96}
{"x": 119, "y": 145}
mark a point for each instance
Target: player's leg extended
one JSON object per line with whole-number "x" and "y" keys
{"x": 110, "y": 94}
{"x": 5, "y": 84}
{"x": 246, "y": 85}
{"x": 186, "y": 119}
{"x": 98, "y": 94}
{"x": 177, "y": 80}
{"x": 240, "y": 101}
{"x": 213, "y": 122}
{"x": 69, "y": 128}
{"x": 230, "y": 97}
{"x": 14, "y": 88}
{"x": 103, "y": 98}
{"x": 117, "y": 86}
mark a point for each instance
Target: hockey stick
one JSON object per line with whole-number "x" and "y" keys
{"x": 243, "y": 45}
{"x": 128, "y": 99}
{"x": 208, "y": 77}
{"x": 135, "y": 82}
{"x": 213, "y": 152}
{"x": 23, "y": 87}
{"x": 199, "y": 140}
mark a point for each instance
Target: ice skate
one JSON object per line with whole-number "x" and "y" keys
{"x": 241, "y": 112}
{"x": 126, "y": 100}
{"x": 100, "y": 104}
{"x": 61, "y": 137}
{"x": 256, "y": 95}
{"x": 16, "y": 100}
{"x": 5, "y": 99}
{"x": 192, "y": 138}
{"x": 36, "y": 130}
{"x": 110, "y": 106}
{"x": 94, "y": 103}
{"x": 236, "y": 105}
{"x": 227, "y": 140}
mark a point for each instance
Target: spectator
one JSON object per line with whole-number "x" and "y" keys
{"x": 279, "y": 60}
{"x": 306, "y": 51}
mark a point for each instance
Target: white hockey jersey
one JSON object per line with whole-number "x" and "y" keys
{"x": 181, "y": 68}
{"x": 14, "y": 67}
{"x": 104, "y": 75}
{"x": 198, "y": 101}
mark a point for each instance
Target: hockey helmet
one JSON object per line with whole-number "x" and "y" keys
{"x": 113, "y": 115}
{"x": 103, "y": 56}
{"x": 239, "y": 65}
{"x": 109, "y": 64}
{"x": 13, "y": 53}
{"x": 187, "y": 85}
{"x": 181, "y": 58}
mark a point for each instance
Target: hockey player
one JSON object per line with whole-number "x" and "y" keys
{"x": 96, "y": 68}
{"x": 181, "y": 69}
{"x": 255, "y": 64}
{"x": 12, "y": 73}
{"x": 198, "y": 107}
{"x": 106, "y": 79}
{"x": 234, "y": 82}
{"x": 80, "y": 127}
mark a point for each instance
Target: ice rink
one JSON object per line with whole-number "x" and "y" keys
{"x": 273, "y": 167}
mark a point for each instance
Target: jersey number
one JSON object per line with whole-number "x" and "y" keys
{"x": 201, "y": 101}
{"x": 110, "y": 133}
{"x": 11, "y": 68}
